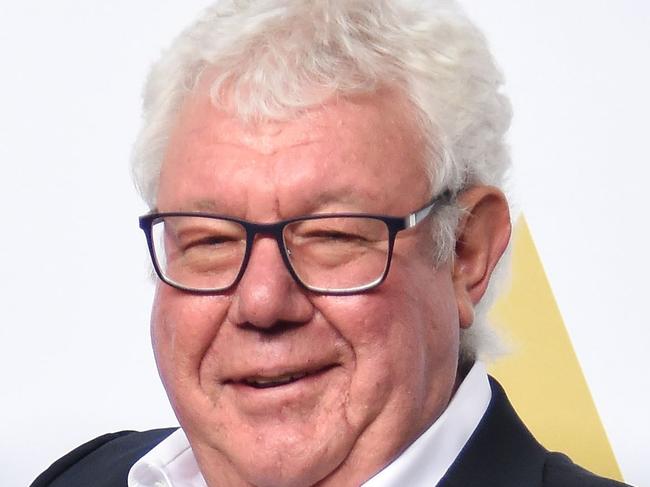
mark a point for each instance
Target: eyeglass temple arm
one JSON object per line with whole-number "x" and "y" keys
{"x": 417, "y": 216}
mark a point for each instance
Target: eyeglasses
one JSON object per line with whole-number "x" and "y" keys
{"x": 340, "y": 253}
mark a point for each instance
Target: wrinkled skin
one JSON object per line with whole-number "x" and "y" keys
{"x": 381, "y": 365}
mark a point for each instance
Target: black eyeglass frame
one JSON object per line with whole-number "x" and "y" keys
{"x": 276, "y": 230}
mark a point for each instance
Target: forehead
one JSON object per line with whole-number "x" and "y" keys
{"x": 354, "y": 149}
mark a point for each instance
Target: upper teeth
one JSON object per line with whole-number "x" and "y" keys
{"x": 274, "y": 381}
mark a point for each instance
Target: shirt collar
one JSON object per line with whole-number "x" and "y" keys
{"x": 172, "y": 464}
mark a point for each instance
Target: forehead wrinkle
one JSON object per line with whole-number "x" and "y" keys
{"x": 262, "y": 147}
{"x": 210, "y": 125}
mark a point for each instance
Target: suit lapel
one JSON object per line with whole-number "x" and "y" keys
{"x": 500, "y": 453}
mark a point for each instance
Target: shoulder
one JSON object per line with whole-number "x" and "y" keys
{"x": 560, "y": 471}
{"x": 102, "y": 462}
{"x": 502, "y": 452}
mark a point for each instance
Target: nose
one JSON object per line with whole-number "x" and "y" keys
{"x": 267, "y": 295}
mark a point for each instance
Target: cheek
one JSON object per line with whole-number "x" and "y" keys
{"x": 182, "y": 328}
{"x": 389, "y": 339}
{"x": 402, "y": 317}
{"x": 404, "y": 339}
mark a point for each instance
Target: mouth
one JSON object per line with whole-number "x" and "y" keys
{"x": 270, "y": 381}
{"x": 266, "y": 382}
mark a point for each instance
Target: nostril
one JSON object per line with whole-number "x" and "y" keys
{"x": 277, "y": 328}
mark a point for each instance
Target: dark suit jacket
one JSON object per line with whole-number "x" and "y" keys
{"x": 500, "y": 453}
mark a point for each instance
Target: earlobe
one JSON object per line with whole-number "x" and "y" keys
{"x": 482, "y": 237}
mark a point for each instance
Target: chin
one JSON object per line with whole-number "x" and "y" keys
{"x": 284, "y": 460}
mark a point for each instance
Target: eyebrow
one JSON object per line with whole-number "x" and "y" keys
{"x": 204, "y": 205}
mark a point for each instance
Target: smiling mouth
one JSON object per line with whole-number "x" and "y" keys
{"x": 260, "y": 382}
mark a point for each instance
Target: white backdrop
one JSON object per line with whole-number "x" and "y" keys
{"x": 74, "y": 352}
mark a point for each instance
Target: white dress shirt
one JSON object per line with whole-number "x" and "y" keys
{"x": 172, "y": 464}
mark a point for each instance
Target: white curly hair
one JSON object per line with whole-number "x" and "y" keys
{"x": 274, "y": 58}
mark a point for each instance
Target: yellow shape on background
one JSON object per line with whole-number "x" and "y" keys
{"x": 542, "y": 375}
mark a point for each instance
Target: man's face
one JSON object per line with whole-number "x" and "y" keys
{"x": 372, "y": 370}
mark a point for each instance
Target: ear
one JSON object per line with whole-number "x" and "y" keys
{"x": 481, "y": 238}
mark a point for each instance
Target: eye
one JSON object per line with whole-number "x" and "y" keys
{"x": 207, "y": 241}
{"x": 334, "y": 235}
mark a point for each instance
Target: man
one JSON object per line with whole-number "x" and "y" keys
{"x": 325, "y": 220}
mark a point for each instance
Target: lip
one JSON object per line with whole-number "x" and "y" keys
{"x": 281, "y": 377}
{"x": 277, "y": 395}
